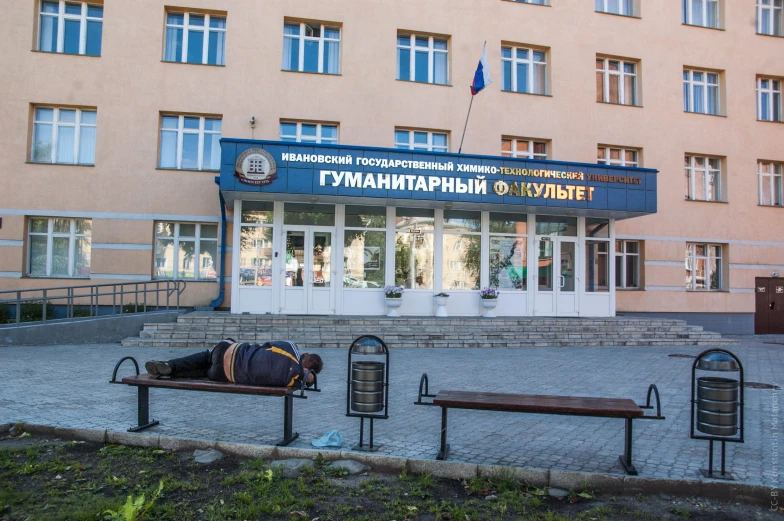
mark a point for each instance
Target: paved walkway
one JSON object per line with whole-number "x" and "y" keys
{"x": 67, "y": 386}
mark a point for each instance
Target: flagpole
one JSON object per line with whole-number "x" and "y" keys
{"x": 466, "y": 124}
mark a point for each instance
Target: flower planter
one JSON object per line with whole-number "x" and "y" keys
{"x": 393, "y": 304}
{"x": 489, "y": 305}
{"x": 441, "y": 306}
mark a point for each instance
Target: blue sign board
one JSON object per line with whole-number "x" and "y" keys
{"x": 274, "y": 167}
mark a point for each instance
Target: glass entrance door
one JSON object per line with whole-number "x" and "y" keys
{"x": 307, "y": 276}
{"x": 556, "y": 285}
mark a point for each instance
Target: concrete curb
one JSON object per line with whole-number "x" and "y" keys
{"x": 542, "y": 478}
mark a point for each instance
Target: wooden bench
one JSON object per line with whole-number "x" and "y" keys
{"x": 143, "y": 382}
{"x": 543, "y": 404}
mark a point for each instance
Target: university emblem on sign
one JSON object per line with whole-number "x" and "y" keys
{"x": 256, "y": 167}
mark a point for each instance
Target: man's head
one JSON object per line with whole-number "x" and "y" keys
{"x": 312, "y": 362}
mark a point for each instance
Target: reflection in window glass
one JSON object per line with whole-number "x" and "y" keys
{"x": 508, "y": 263}
{"x": 186, "y": 251}
{"x": 364, "y": 258}
{"x": 556, "y": 226}
{"x": 309, "y": 214}
{"x": 414, "y": 248}
{"x": 257, "y": 212}
{"x": 597, "y": 267}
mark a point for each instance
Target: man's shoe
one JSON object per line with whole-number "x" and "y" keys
{"x": 157, "y": 368}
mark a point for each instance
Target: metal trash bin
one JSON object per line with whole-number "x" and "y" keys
{"x": 717, "y": 404}
{"x": 367, "y": 386}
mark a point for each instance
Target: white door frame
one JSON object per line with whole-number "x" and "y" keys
{"x": 314, "y": 299}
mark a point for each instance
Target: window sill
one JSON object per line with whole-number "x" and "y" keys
{"x": 704, "y": 27}
{"x": 187, "y": 170}
{"x": 424, "y": 83}
{"x": 526, "y": 3}
{"x": 197, "y": 64}
{"x": 527, "y": 93}
{"x": 629, "y": 289}
{"x": 65, "y": 53}
{"x": 770, "y": 205}
{"x": 618, "y": 104}
{"x": 312, "y": 73}
{"x": 636, "y": 17}
{"x": 704, "y": 114}
{"x": 707, "y": 291}
{"x": 771, "y": 35}
{"x": 91, "y": 165}
{"x": 211, "y": 281}
{"x": 54, "y": 277}
{"x": 704, "y": 201}
{"x": 779, "y": 122}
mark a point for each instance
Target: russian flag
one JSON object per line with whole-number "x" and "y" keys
{"x": 482, "y": 75}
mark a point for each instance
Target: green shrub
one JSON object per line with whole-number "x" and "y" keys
{"x": 81, "y": 311}
{"x": 5, "y": 313}
{"x": 132, "y": 307}
{"x": 33, "y": 311}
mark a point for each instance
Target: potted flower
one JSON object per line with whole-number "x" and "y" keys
{"x": 489, "y": 299}
{"x": 394, "y": 299}
{"x": 441, "y": 299}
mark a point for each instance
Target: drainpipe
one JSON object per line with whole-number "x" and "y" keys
{"x": 222, "y": 278}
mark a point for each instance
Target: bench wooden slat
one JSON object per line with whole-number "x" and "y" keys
{"x": 534, "y": 403}
{"x": 202, "y": 384}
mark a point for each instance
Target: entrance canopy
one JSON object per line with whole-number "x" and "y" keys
{"x": 266, "y": 170}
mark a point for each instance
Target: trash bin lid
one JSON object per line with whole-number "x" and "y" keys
{"x": 717, "y": 361}
{"x": 368, "y": 345}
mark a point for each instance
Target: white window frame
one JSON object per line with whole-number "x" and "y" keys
{"x": 607, "y": 160}
{"x": 775, "y": 182}
{"x": 703, "y": 193}
{"x": 625, "y": 7}
{"x": 297, "y": 137}
{"x": 410, "y": 145}
{"x": 530, "y": 154}
{"x": 320, "y": 39}
{"x": 431, "y": 52}
{"x": 197, "y": 269}
{"x": 534, "y": 66}
{"x": 773, "y": 91}
{"x": 706, "y": 85}
{"x": 688, "y": 13}
{"x": 623, "y": 255}
{"x": 61, "y": 16}
{"x": 187, "y": 29}
{"x": 691, "y": 263}
{"x": 56, "y": 125}
{"x": 776, "y": 8}
{"x": 181, "y": 131}
{"x": 622, "y": 76}
{"x": 50, "y": 234}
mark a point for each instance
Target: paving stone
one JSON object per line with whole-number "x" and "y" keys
{"x": 207, "y": 456}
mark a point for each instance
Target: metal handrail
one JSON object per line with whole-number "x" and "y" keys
{"x": 163, "y": 294}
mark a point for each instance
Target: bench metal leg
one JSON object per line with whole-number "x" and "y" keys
{"x": 143, "y": 405}
{"x": 443, "y": 453}
{"x": 626, "y": 459}
{"x": 288, "y": 414}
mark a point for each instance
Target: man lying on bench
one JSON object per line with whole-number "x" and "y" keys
{"x": 274, "y": 363}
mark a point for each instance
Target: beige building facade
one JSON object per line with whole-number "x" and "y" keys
{"x": 114, "y": 112}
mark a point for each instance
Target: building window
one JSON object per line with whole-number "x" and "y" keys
{"x": 770, "y": 191}
{"x": 769, "y": 17}
{"x": 525, "y": 148}
{"x": 65, "y": 136}
{"x": 622, "y": 7}
{"x": 422, "y": 58}
{"x": 704, "y": 13}
{"x": 627, "y": 264}
{"x": 606, "y": 155}
{"x": 523, "y": 70}
{"x": 186, "y": 251}
{"x": 364, "y": 247}
{"x": 768, "y": 99}
{"x": 59, "y": 247}
{"x": 701, "y": 92}
{"x": 70, "y": 28}
{"x": 508, "y": 251}
{"x": 195, "y": 38}
{"x": 190, "y": 142}
{"x": 703, "y": 267}
{"x": 461, "y": 250}
{"x": 597, "y": 255}
{"x": 421, "y": 140}
{"x": 311, "y": 47}
{"x": 298, "y": 132}
{"x": 414, "y": 248}
{"x": 256, "y": 243}
{"x": 703, "y": 178}
{"x": 616, "y": 81}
